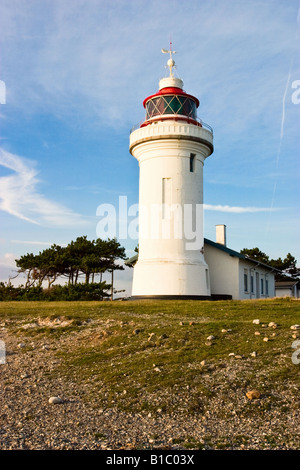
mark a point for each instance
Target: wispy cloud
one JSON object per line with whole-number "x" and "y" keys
{"x": 32, "y": 242}
{"x": 20, "y": 198}
{"x": 83, "y": 59}
{"x": 236, "y": 209}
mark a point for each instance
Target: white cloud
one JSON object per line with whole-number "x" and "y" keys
{"x": 236, "y": 209}
{"x": 85, "y": 56}
{"x": 34, "y": 242}
{"x": 8, "y": 259}
{"x": 19, "y": 196}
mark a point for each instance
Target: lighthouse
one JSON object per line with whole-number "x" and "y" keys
{"x": 171, "y": 145}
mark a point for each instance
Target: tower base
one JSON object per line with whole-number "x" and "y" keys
{"x": 170, "y": 279}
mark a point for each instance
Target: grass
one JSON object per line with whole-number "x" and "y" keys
{"x": 148, "y": 354}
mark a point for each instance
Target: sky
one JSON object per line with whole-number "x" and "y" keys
{"x": 73, "y": 77}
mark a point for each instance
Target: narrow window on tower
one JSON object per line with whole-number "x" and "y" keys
{"x": 192, "y": 162}
{"x": 166, "y": 195}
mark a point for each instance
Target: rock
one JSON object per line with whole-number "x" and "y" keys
{"x": 224, "y": 331}
{"x": 253, "y": 354}
{"x": 272, "y": 324}
{"x": 295, "y": 327}
{"x": 256, "y": 322}
{"x": 257, "y": 333}
{"x": 24, "y": 375}
{"x": 192, "y": 323}
{"x": 181, "y": 323}
{"x": 203, "y": 363}
{"x": 55, "y": 400}
{"x": 231, "y": 354}
{"x": 163, "y": 336}
{"x": 21, "y": 345}
{"x": 253, "y": 394}
{"x": 136, "y": 331}
{"x": 266, "y": 339}
{"x": 210, "y": 338}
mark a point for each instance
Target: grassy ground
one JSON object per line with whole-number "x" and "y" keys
{"x": 135, "y": 353}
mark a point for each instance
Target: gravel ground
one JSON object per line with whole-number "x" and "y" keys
{"x": 228, "y": 420}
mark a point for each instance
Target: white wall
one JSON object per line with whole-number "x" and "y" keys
{"x": 227, "y": 276}
{"x": 223, "y": 272}
{"x": 170, "y": 262}
{"x": 287, "y": 292}
{"x": 261, "y": 277}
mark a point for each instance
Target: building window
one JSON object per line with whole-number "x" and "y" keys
{"x": 252, "y": 284}
{"x": 261, "y": 286}
{"x": 246, "y": 280}
{"x": 267, "y": 286}
{"x": 192, "y": 162}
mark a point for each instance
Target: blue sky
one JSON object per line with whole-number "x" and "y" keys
{"x": 76, "y": 73}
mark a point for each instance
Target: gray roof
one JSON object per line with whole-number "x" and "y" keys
{"x": 286, "y": 284}
{"x": 236, "y": 254}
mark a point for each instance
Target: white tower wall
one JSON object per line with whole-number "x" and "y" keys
{"x": 171, "y": 261}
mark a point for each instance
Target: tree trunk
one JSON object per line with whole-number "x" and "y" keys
{"x": 112, "y": 285}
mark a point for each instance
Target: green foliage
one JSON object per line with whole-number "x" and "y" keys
{"x": 287, "y": 266}
{"x": 91, "y": 291}
{"x": 81, "y": 258}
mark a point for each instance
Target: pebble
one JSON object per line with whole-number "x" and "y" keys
{"x": 295, "y": 327}
{"x": 256, "y": 322}
{"x": 55, "y": 400}
{"x": 257, "y": 333}
{"x": 272, "y": 324}
{"x": 253, "y": 394}
{"x": 211, "y": 338}
{"x": 266, "y": 339}
{"x": 93, "y": 424}
{"x": 151, "y": 336}
{"x": 253, "y": 354}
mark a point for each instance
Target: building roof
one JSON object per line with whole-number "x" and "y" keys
{"x": 286, "y": 284}
{"x": 131, "y": 261}
{"x": 236, "y": 254}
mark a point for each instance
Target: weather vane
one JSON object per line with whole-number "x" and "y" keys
{"x": 171, "y": 62}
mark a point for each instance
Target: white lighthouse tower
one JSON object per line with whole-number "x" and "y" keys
{"x": 171, "y": 146}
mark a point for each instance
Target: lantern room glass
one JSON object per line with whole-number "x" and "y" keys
{"x": 171, "y": 104}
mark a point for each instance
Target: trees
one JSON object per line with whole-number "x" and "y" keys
{"x": 287, "y": 266}
{"x": 81, "y": 258}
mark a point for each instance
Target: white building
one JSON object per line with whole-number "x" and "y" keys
{"x": 171, "y": 146}
{"x": 233, "y": 275}
{"x": 289, "y": 288}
